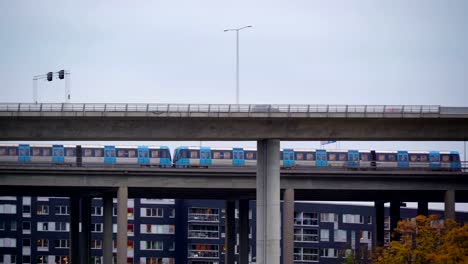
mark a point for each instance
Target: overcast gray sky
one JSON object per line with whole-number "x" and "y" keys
{"x": 298, "y": 52}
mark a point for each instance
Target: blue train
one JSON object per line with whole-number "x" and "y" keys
{"x": 87, "y": 155}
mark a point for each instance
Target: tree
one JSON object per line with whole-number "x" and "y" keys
{"x": 427, "y": 240}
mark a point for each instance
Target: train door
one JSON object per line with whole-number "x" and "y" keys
{"x": 58, "y": 154}
{"x": 109, "y": 154}
{"x": 143, "y": 155}
{"x": 238, "y": 157}
{"x": 24, "y": 153}
{"x": 288, "y": 158}
{"x": 205, "y": 156}
{"x": 402, "y": 158}
{"x": 353, "y": 159}
{"x": 434, "y": 159}
{"x": 321, "y": 158}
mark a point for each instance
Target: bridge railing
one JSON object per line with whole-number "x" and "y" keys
{"x": 226, "y": 108}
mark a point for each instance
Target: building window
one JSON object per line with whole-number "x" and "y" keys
{"x": 130, "y": 213}
{"x": 306, "y": 235}
{"x": 26, "y": 209}
{"x": 306, "y": 254}
{"x": 365, "y": 236}
{"x": 157, "y": 229}
{"x": 172, "y": 246}
{"x": 130, "y": 244}
{"x": 26, "y": 227}
{"x": 328, "y": 253}
{"x": 157, "y": 260}
{"x": 26, "y": 259}
{"x": 307, "y": 219}
{"x": 96, "y": 211}
{"x": 151, "y": 245}
{"x": 172, "y": 214}
{"x": 130, "y": 229}
{"x": 96, "y": 244}
{"x": 2, "y": 224}
{"x": 203, "y": 214}
{"x": 7, "y": 242}
{"x": 13, "y": 225}
{"x": 42, "y": 244}
{"x": 13, "y": 259}
{"x": 41, "y": 260}
{"x": 339, "y": 235}
{"x": 62, "y": 260}
{"x": 61, "y": 226}
{"x": 7, "y": 209}
{"x": 26, "y": 242}
{"x": 152, "y": 212}
{"x": 369, "y": 220}
{"x": 42, "y": 209}
{"x": 96, "y": 228}
{"x": 324, "y": 235}
{"x": 62, "y": 243}
{"x": 62, "y": 210}
{"x": 353, "y": 219}
{"x": 329, "y": 217}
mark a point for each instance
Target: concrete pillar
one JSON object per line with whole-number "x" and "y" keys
{"x": 85, "y": 236}
{"x": 244, "y": 228}
{"x": 394, "y": 218}
{"x": 288, "y": 226}
{"x": 423, "y": 208}
{"x": 379, "y": 224}
{"x": 230, "y": 231}
{"x": 107, "y": 236}
{"x": 268, "y": 201}
{"x": 450, "y": 204}
{"x": 122, "y": 221}
{"x": 74, "y": 229}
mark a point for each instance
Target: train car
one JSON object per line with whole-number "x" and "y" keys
{"x": 206, "y": 157}
{"x": 127, "y": 155}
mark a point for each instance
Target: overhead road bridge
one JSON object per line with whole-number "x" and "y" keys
{"x": 114, "y": 122}
{"x": 266, "y": 124}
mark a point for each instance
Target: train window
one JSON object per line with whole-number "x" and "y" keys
{"x": 194, "y": 154}
{"x": 310, "y": 156}
{"x": 121, "y": 153}
{"x": 434, "y": 158}
{"x": 249, "y": 155}
{"x": 216, "y": 155}
{"x": 332, "y": 156}
{"x": 145, "y": 153}
{"x": 342, "y": 157}
{"x": 164, "y": 154}
{"x": 88, "y": 152}
{"x": 445, "y": 158}
{"x": 3, "y": 151}
{"x": 110, "y": 153}
{"x": 205, "y": 155}
{"x": 12, "y": 151}
{"x": 423, "y": 158}
{"x": 69, "y": 152}
{"x": 299, "y": 156}
{"x": 356, "y": 157}
{"x": 58, "y": 152}
{"x": 413, "y": 158}
{"x": 155, "y": 154}
{"x": 46, "y": 151}
{"x": 98, "y": 153}
{"x": 403, "y": 158}
{"x": 24, "y": 152}
{"x": 227, "y": 154}
{"x": 364, "y": 157}
{"x": 391, "y": 157}
{"x": 455, "y": 157}
{"x": 36, "y": 152}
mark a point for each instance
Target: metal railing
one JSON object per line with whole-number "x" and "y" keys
{"x": 223, "y": 108}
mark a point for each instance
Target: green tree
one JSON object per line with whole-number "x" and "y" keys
{"x": 427, "y": 240}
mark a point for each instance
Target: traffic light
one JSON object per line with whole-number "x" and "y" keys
{"x": 49, "y": 76}
{"x": 61, "y": 74}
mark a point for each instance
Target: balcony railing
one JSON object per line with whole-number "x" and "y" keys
{"x": 203, "y": 217}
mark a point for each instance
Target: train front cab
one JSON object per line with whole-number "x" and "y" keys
{"x": 181, "y": 158}
{"x": 455, "y": 164}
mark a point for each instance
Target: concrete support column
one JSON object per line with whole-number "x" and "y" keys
{"x": 288, "y": 226}
{"x": 230, "y": 231}
{"x": 244, "y": 228}
{"x": 423, "y": 208}
{"x": 85, "y": 236}
{"x": 107, "y": 236}
{"x": 268, "y": 201}
{"x": 74, "y": 229}
{"x": 394, "y": 218}
{"x": 379, "y": 223}
{"x": 122, "y": 221}
{"x": 450, "y": 204}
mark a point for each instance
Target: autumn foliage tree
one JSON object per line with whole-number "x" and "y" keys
{"x": 427, "y": 240}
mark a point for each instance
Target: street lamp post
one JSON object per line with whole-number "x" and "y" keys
{"x": 237, "y": 58}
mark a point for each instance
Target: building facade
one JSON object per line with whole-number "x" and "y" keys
{"x": 166, "y": 231}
